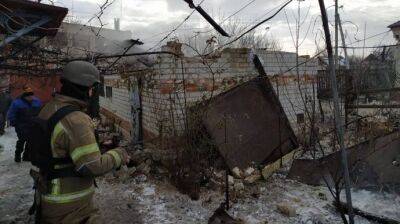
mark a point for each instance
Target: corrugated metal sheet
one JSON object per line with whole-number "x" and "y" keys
{"x": 56, "y": 14}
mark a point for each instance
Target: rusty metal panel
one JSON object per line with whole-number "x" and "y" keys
{"x": 306, "y": 171}
{"x": 370, "y": 164}
{"x": 248, "y": 125}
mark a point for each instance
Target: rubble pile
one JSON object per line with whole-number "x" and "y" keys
{"x": 241, "y": 171}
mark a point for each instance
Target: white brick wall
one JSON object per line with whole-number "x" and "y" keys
{"x": 119, "y": 103}
{"x": 163, "y": 96}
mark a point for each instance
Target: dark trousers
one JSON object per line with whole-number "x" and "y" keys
{"x": 3, "y": 119}
{"x": 21, "y": 146}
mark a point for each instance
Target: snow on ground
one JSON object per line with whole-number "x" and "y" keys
{"x": 153, "y": 201}
{"x": 384, "y": 204}
{"x": 150, "y": 200}
{"x": 16, "y": 194}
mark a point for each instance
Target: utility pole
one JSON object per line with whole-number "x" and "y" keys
{"x": 365, "y": 37}
{"x": 336, "y": 36}
{"x": 346, "y": 56}
{"x": 338, "y": 117}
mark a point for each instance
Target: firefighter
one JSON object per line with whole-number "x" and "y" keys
{"x": 70, "y": 199}
{"x": 21, "y": 111}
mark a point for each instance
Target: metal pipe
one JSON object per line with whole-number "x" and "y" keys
{"x": 343, "y": 42}
{"x": 207, "y": 17}
{"x": 337, "y": 66}
{"x": 338, "y": 118}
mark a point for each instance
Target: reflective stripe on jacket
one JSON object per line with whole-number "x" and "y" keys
{"x": 74, "y": 137}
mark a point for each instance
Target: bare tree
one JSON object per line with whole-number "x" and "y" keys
{"x": 208, "y": 41}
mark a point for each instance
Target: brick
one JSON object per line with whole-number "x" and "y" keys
{"x": 163, "y": 96}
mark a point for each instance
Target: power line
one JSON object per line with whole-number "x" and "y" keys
{"x": 367, "y": 38}
{"x": 258, "y": 18}
{"x": 232, "y": 15}
{"x": 259, "y": 24}
{"x": 238, "y": 11}
{"x": 175, "y": 29}
{"x": 371, "y": 47}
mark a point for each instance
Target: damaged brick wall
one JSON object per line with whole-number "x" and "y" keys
{"x": 175, "y": 82}
{"x": 43, "y": 87}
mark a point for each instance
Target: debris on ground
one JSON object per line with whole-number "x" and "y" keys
{"x": 286, "y": 209}
{"x": 145, "y": 193}
{"x": 147, "y": 199}
{"x": 220, "y": 216}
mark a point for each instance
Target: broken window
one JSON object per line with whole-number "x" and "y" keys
{"x": 109, "y": 93}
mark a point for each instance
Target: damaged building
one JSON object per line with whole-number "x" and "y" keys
{"x": 249, "y": 134}
{"x": 175, "y": 83}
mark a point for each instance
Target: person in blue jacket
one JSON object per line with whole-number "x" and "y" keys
{"x": 22, "y": 110}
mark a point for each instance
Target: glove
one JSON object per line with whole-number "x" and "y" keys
{"x": 125, "y": 158}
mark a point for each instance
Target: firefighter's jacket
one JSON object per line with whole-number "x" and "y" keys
{"x": 69, "y": 200}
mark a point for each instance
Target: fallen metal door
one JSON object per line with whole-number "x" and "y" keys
{"x": 248, "y": 125}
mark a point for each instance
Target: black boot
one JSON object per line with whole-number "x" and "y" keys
{"x": 26, "y": 157}
{"x": 17, "y": 157}
{"x": 27, "y": 153}
{"x": 18, "y": 151}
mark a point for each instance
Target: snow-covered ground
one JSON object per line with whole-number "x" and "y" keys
{"x": 16, "y": 194}
{"x": 150, "y": 200}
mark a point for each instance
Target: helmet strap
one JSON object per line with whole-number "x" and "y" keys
{"x": 75, "y": 91}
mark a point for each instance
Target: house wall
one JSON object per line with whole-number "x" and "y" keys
{"x": 43, "y": 87}
{"x": 396, "y": 33}
{"x": 164, "y": 98}
{"x": 396, "y": 53}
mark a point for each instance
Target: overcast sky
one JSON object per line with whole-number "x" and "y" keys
{"x": 151, "y": 20}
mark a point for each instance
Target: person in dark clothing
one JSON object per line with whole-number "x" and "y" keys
{"x": 22, "y": 110}
{"x": 5, "y": 102}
